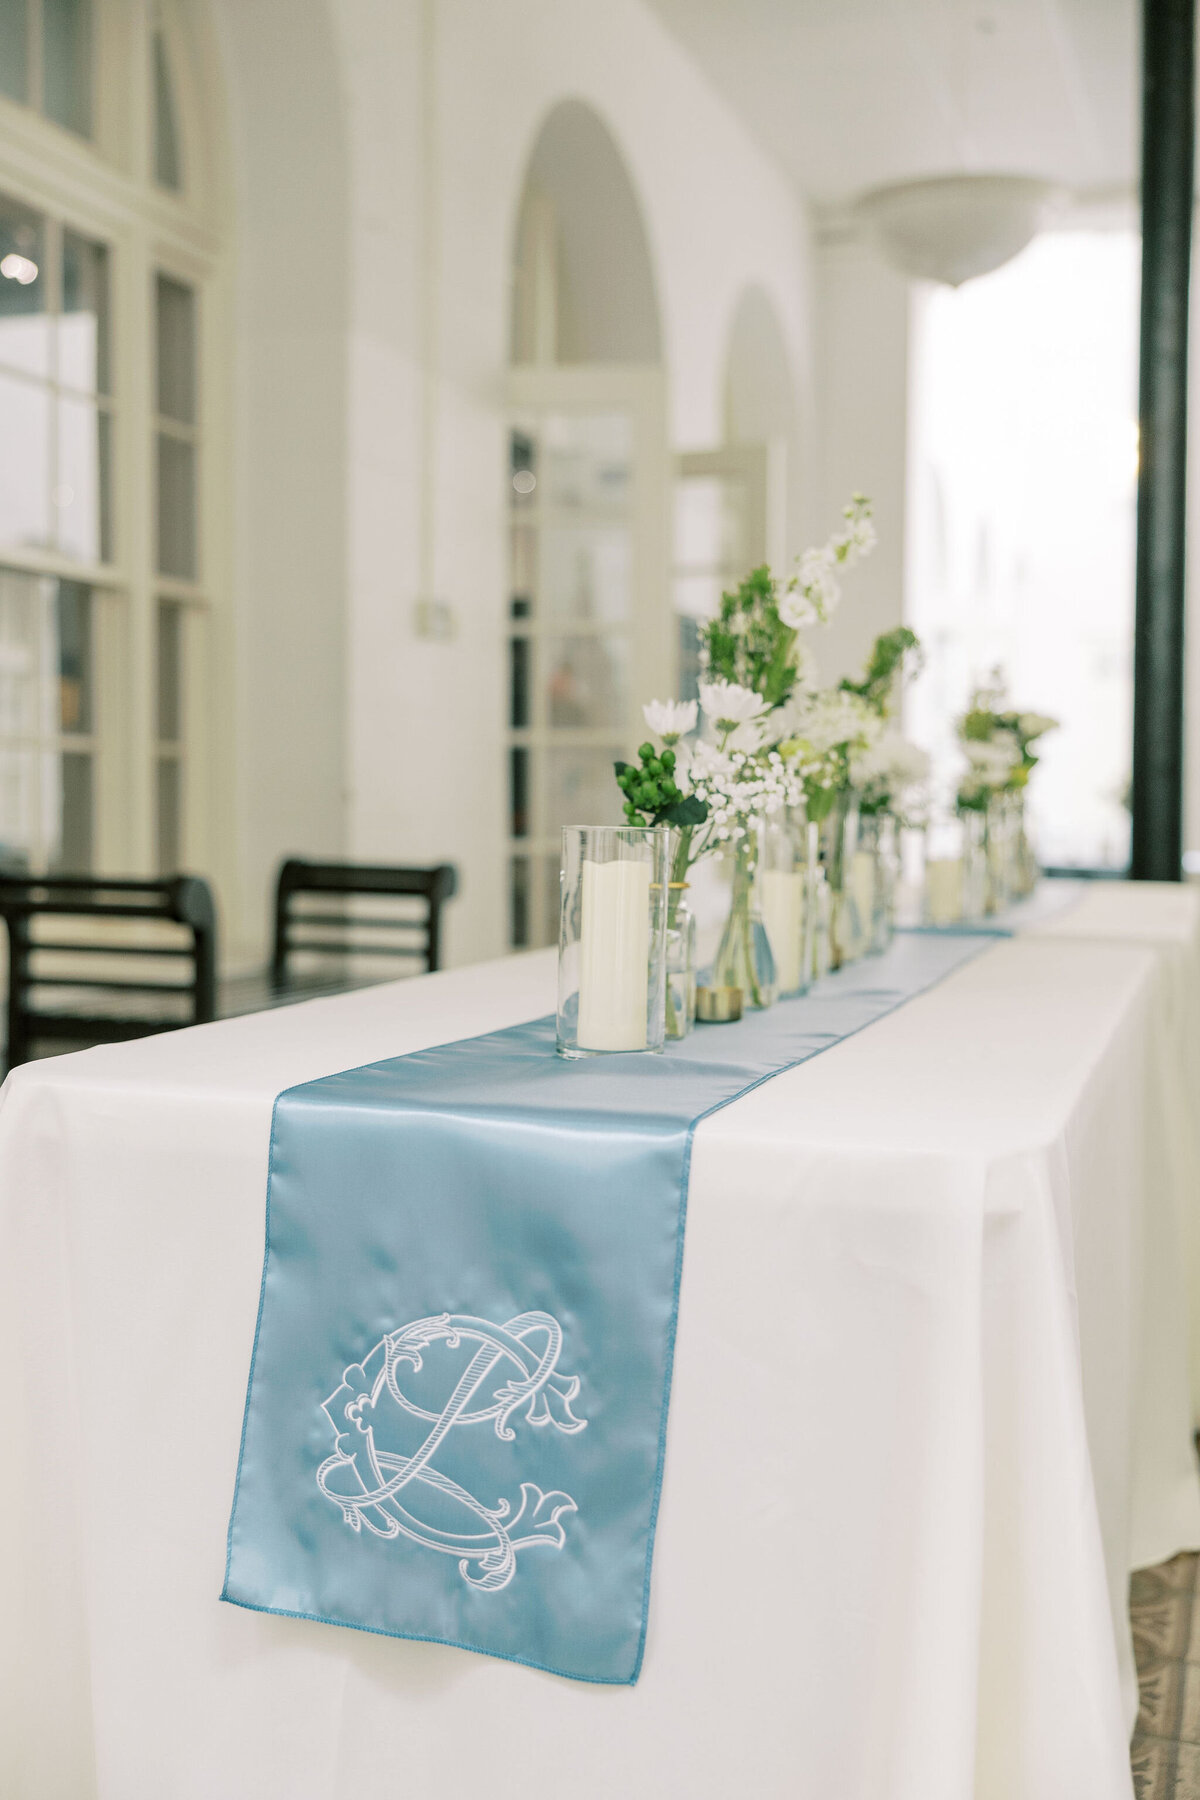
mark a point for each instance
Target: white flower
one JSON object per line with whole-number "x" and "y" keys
{"x": 892, "y": 764}
{"x": 798, "y": 610}
{"x": 728, "y": 705}
{"x": 834, "y": 720}
{"x": 670, "y": 719}
{"x": 859, "y": 538}
{"x": 993, "y": 760}
{"x": 1034, "y": 725}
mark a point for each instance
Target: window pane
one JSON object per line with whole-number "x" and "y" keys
{"x": 14, "y": 48}
{"x": 523, "y": 467}
{"x": 586, "y": 684}
{"x": 170, "y": 672}
{"x": 587, "y": 573}
{"x": 176, "y": 507}
{"x": 518, "y": 772}
{"x": 523, "y": 569}
{"x": 166, "y": 131}
{"x": 518, "y": 903}
{"x": 581, "y": 789}
{"x": 81, "y": 490}
{"x": 169, "y": 816}
{"x": 67, "y": 62}
{"x": 84, "y": 326}
{"x": 69, "y": 849}
{"x": 586, "y": 460}
{"x": 74, "y": 611}
{"x": 17, "y": 786}
{"x": 24, "y": 326}
{"x": 21, "y": 615}
{"x": 24, "y": 464}
{"x": 176, "y": 331}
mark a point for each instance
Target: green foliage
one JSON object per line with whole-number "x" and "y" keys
{"x": 652, "y": 795}
{"x": 748, "y": 643}
{"x": 889, "y": 654}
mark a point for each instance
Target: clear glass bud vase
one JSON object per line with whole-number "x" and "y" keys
{"x": 744, "y": 958}
{"x": 612, "y": 939}
{"x": 786, "y": 883}
{"x": 681, "y": 962}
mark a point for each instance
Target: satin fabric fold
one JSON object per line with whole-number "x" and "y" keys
{"x": 456, "y": 1415}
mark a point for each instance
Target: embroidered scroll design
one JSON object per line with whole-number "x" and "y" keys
{"x": 383, "y": 1491}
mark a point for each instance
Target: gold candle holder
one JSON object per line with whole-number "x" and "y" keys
{"x": 718, "y": 1005}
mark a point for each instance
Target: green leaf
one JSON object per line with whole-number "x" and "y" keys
{"x": 691, "y": 810}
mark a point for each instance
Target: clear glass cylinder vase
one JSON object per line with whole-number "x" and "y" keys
{"x": 787, "y": 864}
{"x": 877, "y": 838}
{"x": 1025, "y": 863}
{"x": 681, "y": 963}
{"x": 612, "y": 939}
{"x": 849, "y": 864}
{"x": 945, "y": 872}
{"x": 744, "y": 958}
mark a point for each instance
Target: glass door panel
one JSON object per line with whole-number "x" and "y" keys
{"x": 584, "y": 482}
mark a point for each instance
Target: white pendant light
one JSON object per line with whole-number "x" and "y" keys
{"x": 951, "y": 227}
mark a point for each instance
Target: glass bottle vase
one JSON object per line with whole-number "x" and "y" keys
{"x": 744, "y": 958}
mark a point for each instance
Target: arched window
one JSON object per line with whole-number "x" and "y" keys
{"x": 109, "y": 243}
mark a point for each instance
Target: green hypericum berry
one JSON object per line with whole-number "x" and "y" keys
{"x": 646, "y": 752}
{"x": 668, "y": 761}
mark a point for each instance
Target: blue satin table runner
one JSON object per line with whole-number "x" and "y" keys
{"x": 456, "y": 1415}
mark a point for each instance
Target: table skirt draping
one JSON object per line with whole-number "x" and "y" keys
{"x": 930, "y": 1406}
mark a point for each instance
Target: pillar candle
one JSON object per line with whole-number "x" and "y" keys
{"x": 614, "y": 955}
{"x": 781, "y": 897}
{"x": 944, "y": 890}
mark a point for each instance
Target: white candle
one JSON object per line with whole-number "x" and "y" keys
{"x": 781, "y": 897}
{"x": 614, "y": 955}
{"x": 944, "y": 890}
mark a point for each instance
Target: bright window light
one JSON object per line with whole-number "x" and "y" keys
{"x": 1022, "y": 490}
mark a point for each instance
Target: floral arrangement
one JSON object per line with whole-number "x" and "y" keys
{"x": 997, "y": 743}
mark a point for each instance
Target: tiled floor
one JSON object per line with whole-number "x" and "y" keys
{"x": 1164, "y": 1606}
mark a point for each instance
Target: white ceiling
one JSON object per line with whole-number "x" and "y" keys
{"x": 850, "y": 94}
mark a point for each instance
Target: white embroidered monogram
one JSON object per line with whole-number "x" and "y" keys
{"x": 365, "y": 1478}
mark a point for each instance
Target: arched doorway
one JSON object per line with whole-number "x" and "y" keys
{"x": 589, "y": 624}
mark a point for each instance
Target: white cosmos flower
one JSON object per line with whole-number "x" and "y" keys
{"x": 727, "y": 705}
{"x": 670, "y": 719}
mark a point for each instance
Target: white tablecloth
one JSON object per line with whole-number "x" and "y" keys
{"x": 930, "y": 1406}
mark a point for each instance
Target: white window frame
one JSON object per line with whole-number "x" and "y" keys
{"x": 104, "y": 188}
{"x": 639, "y": 392}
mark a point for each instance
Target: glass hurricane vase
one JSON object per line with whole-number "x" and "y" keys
{"x": 612, "y": 939}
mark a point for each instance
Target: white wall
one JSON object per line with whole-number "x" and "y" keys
{"x": 433, "y": 202}
{"x": 862, "y": 406}
{"x": 283, "y": 701}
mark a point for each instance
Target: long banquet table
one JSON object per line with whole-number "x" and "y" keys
{"x": 930, "y": 1407}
